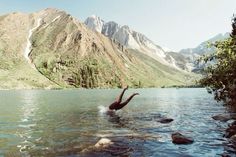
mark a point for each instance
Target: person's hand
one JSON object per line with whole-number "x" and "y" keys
{"x": 126, "y": 87}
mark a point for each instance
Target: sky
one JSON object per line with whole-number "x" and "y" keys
{"x": 174, "y": 24}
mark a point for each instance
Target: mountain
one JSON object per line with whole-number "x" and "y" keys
{"x": 15, "y": 71}
{"x": 128, "y": 38}
{"x": 192, "y": 54}
{"x": 203, "y": 47}
{"x": 179, "y": 60}
{"x": 131, "y": 39}
{"x": 52, "y": 49}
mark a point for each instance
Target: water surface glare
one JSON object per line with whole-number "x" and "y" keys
{"x": 70, "y": 122}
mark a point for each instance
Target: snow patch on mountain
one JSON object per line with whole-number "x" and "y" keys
{"x": 56, "y": 18}
{"x": 28, "y": 45}
{"x": 173, "y": 62}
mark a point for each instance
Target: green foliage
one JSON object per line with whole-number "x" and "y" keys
{"x": 220, "y": 73}
{"x": 87, "y": 75}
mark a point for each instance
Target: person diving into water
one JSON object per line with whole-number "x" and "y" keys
{"x": 117, "y": 105}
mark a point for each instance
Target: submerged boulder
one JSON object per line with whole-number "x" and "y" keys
{"x": 103, "y": 142}
{"x": 178, "y": 138}
{"x": 165, "y": 120}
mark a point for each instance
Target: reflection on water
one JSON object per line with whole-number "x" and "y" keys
{"x": 70, "y": 122}
{"x": 28, "y": 108}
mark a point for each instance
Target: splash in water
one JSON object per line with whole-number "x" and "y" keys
{"x": 103, "y": 109}
{"x": 106, "y": 111}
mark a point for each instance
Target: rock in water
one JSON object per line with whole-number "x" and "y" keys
{"x": 233, "y": 140}
{"x": 165, "y": 120}
{"x": 222, "y": 117}
{"x": 234, "y": 123}
{"x": 230, "y": 131}
{"x": 178, "y": 138}
{"x": 103, "y": 142}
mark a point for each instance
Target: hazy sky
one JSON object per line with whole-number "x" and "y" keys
{"x": 175, "y": 24}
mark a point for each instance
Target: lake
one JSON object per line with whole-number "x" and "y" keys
{"x": 71, "y": 122}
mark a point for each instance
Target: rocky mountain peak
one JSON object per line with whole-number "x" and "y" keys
{"x": 127, "y": 37}
{"x": 51, "y": 10}
{"x": 95, "y": 23}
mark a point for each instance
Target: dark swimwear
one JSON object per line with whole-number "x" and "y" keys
{"x": 117, "y": 105}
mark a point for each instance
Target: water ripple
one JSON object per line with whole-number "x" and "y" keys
{"x": 69, "y": 123}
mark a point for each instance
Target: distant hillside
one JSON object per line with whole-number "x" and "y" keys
{"x": 51, "y": 49}
{"x": 203, "y": 48}
{"x": 192, "y": 54}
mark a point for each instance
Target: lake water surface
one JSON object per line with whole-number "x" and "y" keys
{"x": 70, "y": 122}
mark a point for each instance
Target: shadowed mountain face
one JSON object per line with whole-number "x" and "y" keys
{"x": 63, "y": 52}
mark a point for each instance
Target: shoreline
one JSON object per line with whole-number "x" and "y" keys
{"x": 174, "y": 87}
